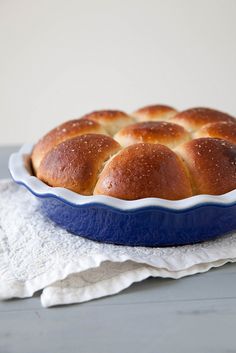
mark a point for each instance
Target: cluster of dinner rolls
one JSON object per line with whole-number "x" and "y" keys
{"x": 153, "y": 152}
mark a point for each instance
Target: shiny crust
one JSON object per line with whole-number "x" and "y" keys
{"x": 163, "y": 132}
{"x": 144, "y": 170}
{"x": 211, "y": 164}
{"x": 63, "y": 132}
{"x": 78, "y": 155}
{"x": 154, "y": 112}
{"x": 195, "y": 118}
{"x": 111, "y": 120}
{"x": 75, "y": 164}
{"x": 223, "y": 130}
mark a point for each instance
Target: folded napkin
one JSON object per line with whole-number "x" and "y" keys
{"x": 35, "y": 254}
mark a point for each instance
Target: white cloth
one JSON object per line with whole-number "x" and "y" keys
{"x": 36, "y": 254}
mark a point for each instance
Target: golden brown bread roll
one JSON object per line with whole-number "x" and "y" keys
{"x": 62, "y": 133}
{"x": 224, "y": 130}
{"x": 75, "y": 163}
{"x": 163, "y": 132}
{"x": 79, "y": 156}
{"x": 194, "y": 118}
{"x": 111, "y": 120}
{"x": 154, "y": 112}
{"x": 144, "y": 170}
{"x": 211, "y": 164}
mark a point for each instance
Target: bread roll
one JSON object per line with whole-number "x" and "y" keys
{"x": 163, "y": 132}
{"x": 111, "y": 120}
{"x": 193, "y": 119}
{"x": 144, "y": 170}
{"x": 211, "y": 164}
{"x": 80, "y": 156}
{"x": 62, "y": 133}
{"x": 224, "y": 130}
{"x": 154, "y": 113}
{"x": 75, "y": 163}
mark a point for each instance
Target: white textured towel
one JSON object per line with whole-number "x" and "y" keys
{"x": 36, "y": 254}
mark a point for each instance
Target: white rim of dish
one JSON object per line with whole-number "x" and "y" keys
{"x": 21, "y": 175}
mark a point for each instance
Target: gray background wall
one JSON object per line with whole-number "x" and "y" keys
{"x": 61, "y": 59}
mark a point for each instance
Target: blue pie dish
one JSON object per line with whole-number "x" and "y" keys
{"x": 151, "y": 222}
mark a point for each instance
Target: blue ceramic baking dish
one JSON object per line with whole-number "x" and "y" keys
{"x": 145, "y": 222}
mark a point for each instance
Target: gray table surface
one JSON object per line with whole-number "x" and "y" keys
{"x": 193, "y": 314}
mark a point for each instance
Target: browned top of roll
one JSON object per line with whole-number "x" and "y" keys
{"x": 111, "y": 120}
{"x": 75, "y": 163}
{"x": 211, "y": 163}
{"x": 163, "y": 132}
{"x": 195, "y": 118}
{"x": 144, "y": 170}
{"x": 154, "y": 112}
{"x": 62, "y": 133}
{"x": 80, "y": 156}
{"x": 223, "y": 129}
